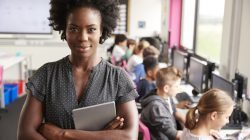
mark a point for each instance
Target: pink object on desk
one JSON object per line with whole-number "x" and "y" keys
{"x": 144, "y": 130}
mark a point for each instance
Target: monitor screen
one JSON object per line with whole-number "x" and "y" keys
{"x": 223, "y": 84}
{"x": 24, "y": 17}
{"x": 179, "y": 60}
{"x": 197, "y": 71}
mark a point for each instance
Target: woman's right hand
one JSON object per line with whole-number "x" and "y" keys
{"x": 117, "y": 123}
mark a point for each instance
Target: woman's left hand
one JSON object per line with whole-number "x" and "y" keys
{"x": 50, "y": 131}
{"x": 117, "y": 123}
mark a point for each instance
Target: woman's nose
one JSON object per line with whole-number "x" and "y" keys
{"x": 83, "y": 36}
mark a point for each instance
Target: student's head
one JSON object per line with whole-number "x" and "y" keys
{"x": 131, "y": 43}
{"x": 168, "y": 80}
{"x": 213, "y": 109}
{"x": 142, "y": 45}
{"x": 151, "y": 50}
{"x": 84, "y": 18}
{"x": 151, "y": 66}
{"x": 121, "y": 40}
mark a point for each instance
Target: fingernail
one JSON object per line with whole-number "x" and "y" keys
{"x": 122, "y": 119}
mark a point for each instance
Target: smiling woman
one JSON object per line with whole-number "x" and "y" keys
{"x": 83, "y": 31}
{"x": 59, "y": 87}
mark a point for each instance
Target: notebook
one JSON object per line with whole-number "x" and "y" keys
{"x": 93, "y": 118}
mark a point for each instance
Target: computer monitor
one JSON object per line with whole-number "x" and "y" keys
{"x": 197, "y": 74}
{"x": 241, "y": 85}
{"x": 180, "y": 61}
{"x": 223, "y": 84}
{"x": 24, "y": 18}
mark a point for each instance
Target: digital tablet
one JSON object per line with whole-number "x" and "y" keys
{"x": 93, "y": 118}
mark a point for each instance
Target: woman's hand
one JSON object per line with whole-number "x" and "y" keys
{"x": 50, "y": 131}
{"x": 117, "y": 123}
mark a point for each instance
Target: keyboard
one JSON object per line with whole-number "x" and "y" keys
{"x": 183, "y": 96}
{"x": 233, "y": 126}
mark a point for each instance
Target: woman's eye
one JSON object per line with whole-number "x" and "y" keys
{"x": 92, "y": 29}
{"x": 73, "y": 29}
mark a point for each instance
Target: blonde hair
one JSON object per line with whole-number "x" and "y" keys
{"x": 151, "y": 50}
{"x": 167, "y": 76}
{"x": 213, "y": 100}
{"x": 142, "y": 45}
{"x": 131, "y": 42}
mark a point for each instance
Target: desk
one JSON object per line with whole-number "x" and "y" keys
{"x": 14, "y": 68}
{"x": 243, "y": 134}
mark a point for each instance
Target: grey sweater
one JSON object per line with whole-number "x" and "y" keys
{"x": 157, "y": 117}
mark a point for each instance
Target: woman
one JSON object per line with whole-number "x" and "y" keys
{"x": 80, "y": 79}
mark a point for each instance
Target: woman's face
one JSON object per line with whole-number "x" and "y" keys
{"x": 83, "y": 31}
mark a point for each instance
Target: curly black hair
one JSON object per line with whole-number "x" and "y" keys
{"x": 60, "y": 9}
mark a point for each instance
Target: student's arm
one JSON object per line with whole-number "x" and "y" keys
{"x": 129, "y": 132}
{"x": 30, "y": 119}
{"x": 180, "y": 117}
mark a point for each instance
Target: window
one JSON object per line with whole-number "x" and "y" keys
{"x": 209, "y": 28}
{"x": 187, "y": 26}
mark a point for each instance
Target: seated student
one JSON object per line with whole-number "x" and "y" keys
{"x": 131, "y": 44}
{"x": 151, "y": 50}
{"x": 120, "y": 47}
{"x": 212, "y": 112}
{"x": 135, "y": 66}
{"x": 137, "y": 56}
{"x": 147, "y": 84}
{"x": 158, "y": 110}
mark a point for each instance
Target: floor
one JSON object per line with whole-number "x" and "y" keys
{"x": 9, "y": 119}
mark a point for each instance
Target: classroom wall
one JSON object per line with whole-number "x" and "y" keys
{"x": 235, "y": 41}
{"x": 148, "y": 12}
{"x": 174, "y": 26}
{"x": 244, "y": 48}
{"x": 47, "y": 50}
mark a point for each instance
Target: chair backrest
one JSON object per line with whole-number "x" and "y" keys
{"x": 144, "y": 130}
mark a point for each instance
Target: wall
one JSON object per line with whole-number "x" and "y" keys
{"x": 175, "y": 22}
{"x": 244, "y": 48}
{"x": 43, "y": 51}
{"x": 150, "y": 12}
{"x": 164, "y": 20}
{"x": 235, "y": 41}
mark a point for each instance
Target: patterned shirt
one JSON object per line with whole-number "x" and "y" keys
{"x": 53, "y": 85}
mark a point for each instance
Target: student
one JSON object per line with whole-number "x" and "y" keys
{"x": 158, "y": 110}
{"x": 147, "y": 84}
{"x": 151, "y": 50}
{"x": 135, "y": 66}
{"x": 79, "y": 79}
{"x": 137, "y": 56}
{"x": 212, "y": 112}
{"x": 120, "y": 47}
{"x": 131, "y": 44}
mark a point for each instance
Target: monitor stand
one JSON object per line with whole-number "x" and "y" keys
{"x": 195, "y": 93}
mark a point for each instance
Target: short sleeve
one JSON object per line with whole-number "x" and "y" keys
{"x": 126, "y": 88}
{"x": 37, "y": 83}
